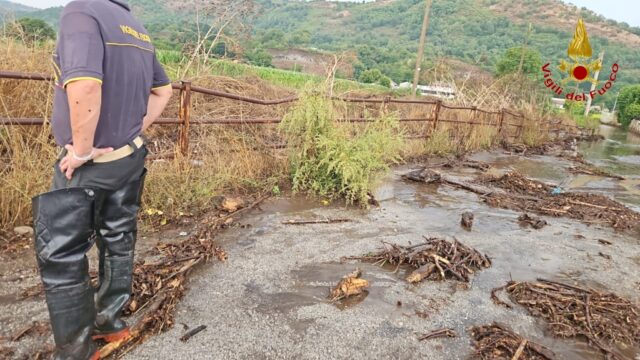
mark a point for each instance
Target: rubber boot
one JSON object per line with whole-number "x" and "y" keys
{"x": 117, "y": 237}
{"x": 64, "y": 222}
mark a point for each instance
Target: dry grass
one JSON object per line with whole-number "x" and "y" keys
{"x": 236, "y": 159}
{"x": 26, "y": 153}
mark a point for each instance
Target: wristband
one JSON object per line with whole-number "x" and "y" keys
{"x": 83, "y": 158}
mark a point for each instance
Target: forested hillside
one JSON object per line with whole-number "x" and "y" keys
{"x": 384, "y": 34}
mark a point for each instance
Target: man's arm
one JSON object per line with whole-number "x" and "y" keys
{"x": 85, "y": 101}
{"x": 157, "y": 102}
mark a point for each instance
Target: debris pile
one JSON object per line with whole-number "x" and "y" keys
{"x": 437, "y": 259}
{"x": 524, "y": 194}
{"x": 575, "y": 312}
{"x": 350, "y": 285}
{"x": 594, "y": 171}
{"x": 12, "y": 243}
{"x": 159, "y": 286}
{"x": 37, "y": 328}
{"x": 498, "y": 342}
{"x": 530, "y": 220}
{"x": 559, "y": 147}
{"x": 465, "y": 163}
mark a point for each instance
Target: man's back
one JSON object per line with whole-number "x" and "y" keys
{"x": 101, "y": 40}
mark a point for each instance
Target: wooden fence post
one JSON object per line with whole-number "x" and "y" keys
{"x": 500, "y": 124}
{"x": 521, "y": 132}
{"x": 474, "y": 114}
{"x": 385, "y": 104}
{"x": 436, "y": 116}
{"x": 185, "y": 117}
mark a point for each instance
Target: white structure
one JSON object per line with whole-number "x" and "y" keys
{"x": 439, "y": 91}
{"x": 559, "y": 103}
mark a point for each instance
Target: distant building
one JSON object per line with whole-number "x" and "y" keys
{"x": 559, "y": 103}
{"x": 438, "y": 91}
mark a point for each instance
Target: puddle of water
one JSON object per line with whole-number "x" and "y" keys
{"x": 620, "y": 153}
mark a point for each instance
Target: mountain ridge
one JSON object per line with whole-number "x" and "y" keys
{"x": 7, "y": 7}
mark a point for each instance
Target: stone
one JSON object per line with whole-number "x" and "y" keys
{"x": 23, "y": 230}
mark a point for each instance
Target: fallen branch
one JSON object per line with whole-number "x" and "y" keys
{"x": 189, "y": 334}
{"x": 308, "y": 222}
{"x": 498, "y": 342}
{"x": 576, "y": 312}
{"x": 438, "y": 334}
{"x": 437, "y": 259}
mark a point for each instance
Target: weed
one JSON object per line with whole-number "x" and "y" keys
{"x": 328, "y": 160}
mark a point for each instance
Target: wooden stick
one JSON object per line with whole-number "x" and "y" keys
{"x": 438, "y": 334}
{"x": 576, "y": 202}
{"x": 189, "y": 334}
{"x": 520, "y": 350}
{"x": 307, "y": 222}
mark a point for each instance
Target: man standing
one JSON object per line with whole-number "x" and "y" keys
{"x": 109, "y": 88}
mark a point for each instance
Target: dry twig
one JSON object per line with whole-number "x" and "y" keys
{"x": 575, "y": 312}
{"x": 498, "y": 342}
{"x": 437, "y": 259}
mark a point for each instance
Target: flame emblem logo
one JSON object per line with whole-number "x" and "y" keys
{"x": 578, "y": 68}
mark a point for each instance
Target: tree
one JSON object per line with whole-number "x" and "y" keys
{"x": 300, "y": 37}
{"x": 272, "y": 38}
{"x": 629, "y": 104}
{"x": 510, "y": 62}
{"x": 374, "y": 76}
{"x": 259, "y": 57}
{"x": 31, "y": 30}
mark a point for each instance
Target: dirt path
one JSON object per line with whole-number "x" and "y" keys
{"x": 269, "y": 301}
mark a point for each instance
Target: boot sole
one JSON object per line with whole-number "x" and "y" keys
{"x": 113, "y": 337}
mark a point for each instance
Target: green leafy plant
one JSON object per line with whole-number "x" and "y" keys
{"x": 327, "y": 159}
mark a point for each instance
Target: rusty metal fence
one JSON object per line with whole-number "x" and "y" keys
{"x": 508, "y": 123}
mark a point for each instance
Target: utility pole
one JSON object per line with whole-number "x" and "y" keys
{"x": 423, "y": 39}
{"x": 593, "y": 86}
{"x": 524, "y": 49}
{"x": 615, "y": 104}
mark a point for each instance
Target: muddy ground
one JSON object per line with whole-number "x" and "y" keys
{"x": 269, "y": 299}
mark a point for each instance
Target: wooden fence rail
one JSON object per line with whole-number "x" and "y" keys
{"x": 185, "y": 121}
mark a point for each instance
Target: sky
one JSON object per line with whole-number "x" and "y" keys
{"x": 620, "y": 10}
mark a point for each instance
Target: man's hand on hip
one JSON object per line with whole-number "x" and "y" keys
{"x": 73, "y": 161}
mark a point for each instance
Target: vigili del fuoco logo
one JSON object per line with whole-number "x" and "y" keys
{"x": 579, "y": 68}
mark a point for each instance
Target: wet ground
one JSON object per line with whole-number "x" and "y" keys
{"x": 269, "y": 300}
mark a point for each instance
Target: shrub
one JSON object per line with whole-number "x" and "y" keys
{"x": 327, "y": 160}
{"x": 629, "y": 96}
{"x": 31, "y": 30}
{"x": 259, "y": 57}
{"x": 374, "y": 76}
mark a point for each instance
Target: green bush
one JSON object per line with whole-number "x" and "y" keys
{"x": 629, "y": 104}
{"x": 327, "y": 160}
{"x": 632, "y": 112}
{"x": 259, "y": 57}
{"x": 374, "y": 76}
{"x": 510, "y": 62}
{"x": 31, "y": 30}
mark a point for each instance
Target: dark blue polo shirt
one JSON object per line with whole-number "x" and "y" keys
{"x": 101, "y": 40}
